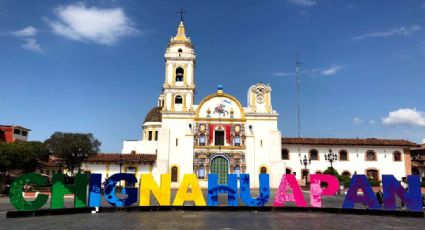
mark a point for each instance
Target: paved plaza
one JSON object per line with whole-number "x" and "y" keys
{"x": 210, "y": 219}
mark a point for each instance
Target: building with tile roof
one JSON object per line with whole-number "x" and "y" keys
{"x": 220, "y": 135}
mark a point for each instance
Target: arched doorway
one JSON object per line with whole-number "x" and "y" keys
{"x": 220, "y": 166}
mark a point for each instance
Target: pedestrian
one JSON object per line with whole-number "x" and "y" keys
{"x": 380, "y": 195}
{"x": 405, "y": 186}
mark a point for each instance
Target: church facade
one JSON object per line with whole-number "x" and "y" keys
{"x": 220, "y": 135}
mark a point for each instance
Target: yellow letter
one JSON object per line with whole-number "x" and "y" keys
{"x": 162, "y": 193}
{"x": 189, "y": 180}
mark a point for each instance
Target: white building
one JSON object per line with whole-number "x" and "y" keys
{"x": 220, "y": 135}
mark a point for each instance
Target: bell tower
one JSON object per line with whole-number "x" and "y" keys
{"x": 179, "y": 85}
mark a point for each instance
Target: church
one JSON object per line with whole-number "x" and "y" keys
{"x": 220, "y": 135}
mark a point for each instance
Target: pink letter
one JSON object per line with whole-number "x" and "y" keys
{"x": 289, "y": 182}
{"x": 316, "y": 191}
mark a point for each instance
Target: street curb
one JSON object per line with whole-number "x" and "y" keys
{"x": 66, "y": 211}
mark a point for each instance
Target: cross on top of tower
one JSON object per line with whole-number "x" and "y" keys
{"x": 181, "y": 12}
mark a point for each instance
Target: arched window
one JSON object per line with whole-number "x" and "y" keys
{"x": 397, "y": 156}
{"x": 285, "y": 154}
{"x": 202, "y": 140}
{"x": 346, "y": 173}
{"x": 372, "y": 174}
{"x": 178, "y": 100}
{"x": 179, "y": 74}
{"x": 201, "y": 172}
{"x": 370, "y": 155}
{"x": 343, "y": 155}
{"x": 263, "y": 170}
{"x": 237, "y": 140}
{"x": 314, "y": 155}
{"x": 180, "y": 50}
{"x": 174, "y": 173}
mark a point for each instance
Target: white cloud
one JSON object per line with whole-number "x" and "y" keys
{"x": 304, "y": 2}
{"x": 28, "y": 31}
{"x": 405, "y": 117}
{"x": 283, "y": 74}
{"x": 331, "y": 71}
{"x": 357, "y": 121}
{"x": 32, "y": 44}
{"x": 423, "y": 141}
{"x": 102, "y": 26}
{"x": 372, "y": 122}
{"x": 401, "y": 31}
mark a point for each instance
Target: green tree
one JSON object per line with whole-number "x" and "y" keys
{"x": 20, "y": 155}
{"x": 73, "y": 148}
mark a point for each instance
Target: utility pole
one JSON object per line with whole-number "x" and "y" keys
{"x": 297, "y": 68}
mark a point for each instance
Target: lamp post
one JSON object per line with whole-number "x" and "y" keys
{"x": 305, "y": 162}
{"x": 331, "y": 157}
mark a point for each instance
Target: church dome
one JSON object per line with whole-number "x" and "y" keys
{"x": 154, "y": 115}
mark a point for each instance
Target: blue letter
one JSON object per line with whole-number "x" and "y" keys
{"x": 369, "y": 198}
{"x": 110, "y": 190}
{"x": 214, "y": 189}
{"x": 263, "y": 198}
{"x": 94, "y": 190}
{"x": 412, "y": 199}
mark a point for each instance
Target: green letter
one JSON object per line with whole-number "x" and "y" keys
{"x": 79, "y": 189}
{"x": 15, "y": 195}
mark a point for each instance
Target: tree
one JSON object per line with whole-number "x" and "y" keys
{"x": 20, "y": 156}
{"x": 73, "y": 148}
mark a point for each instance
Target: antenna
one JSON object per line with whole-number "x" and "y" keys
{"x": 297, "y": 69}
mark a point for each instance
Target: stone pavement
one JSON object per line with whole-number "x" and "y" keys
{"x": 211, "y": 220}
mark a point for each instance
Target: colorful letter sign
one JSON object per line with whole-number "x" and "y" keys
{"x": 189, "y": 190}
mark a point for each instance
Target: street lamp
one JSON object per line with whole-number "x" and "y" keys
{"x": 305, "y": 162}
{"x": 331, "y": 157}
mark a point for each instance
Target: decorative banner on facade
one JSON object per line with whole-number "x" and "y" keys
{"x": 189, "y": 191}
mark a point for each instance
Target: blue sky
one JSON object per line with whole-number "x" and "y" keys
{"x": 97, "y": 66}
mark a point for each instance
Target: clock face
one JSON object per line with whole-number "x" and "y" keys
{"x": 260, "y": 98}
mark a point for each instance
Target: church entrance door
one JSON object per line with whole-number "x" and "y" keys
{"x": 220, "y": 166}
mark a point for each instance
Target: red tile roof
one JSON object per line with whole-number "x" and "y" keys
{"x": 348, "y": 141}
{"x": 126, "y": 158}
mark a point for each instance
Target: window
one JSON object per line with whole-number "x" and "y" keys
{"x": 288, "y": 171}
{"x": 343, "y": 155}
{"x": 24, "y": 133}
{"x": 370, "y": 155}
{"x": 372, "y": 174}
{"x": 202, "y": 140}
{"x": 150, "y": 135}
{"x": 174, "y": 174}
{"x": 156, "y": 135}
{"x": 178, "y": 100}
{"x": 17, "y": 131}
{"x": 238, "y": 170}
{"x": 41, "y": 171}
{"x": 237, "y": 140}
{"x": 346, "y": 173}
{"x": 131, "y": 170}
{"x": 397, "y": 156}
{"x": 219, "y": 138}
{"x": 314, "y": 155}
{"x": 177, "y": 141}
{"x": 180, "y": 50}
{"x": 201, "y": 172}
{"x": 285, "y": 154}
{"x": 179, "y": 74}
{"x": 47, "y": 172}
{"x": 263, "y": 170}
